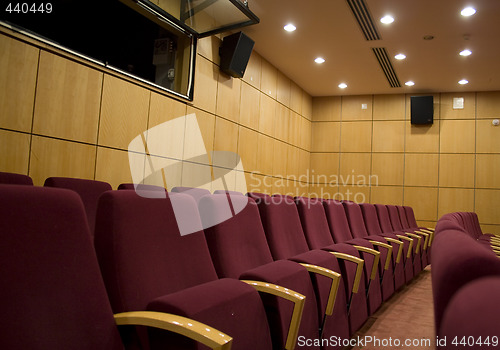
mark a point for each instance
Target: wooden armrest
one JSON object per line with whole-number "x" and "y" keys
{"x": 288, "y": 294}
{"x": 375, "y": 254}
{"x": 359, "y": 269}
{"x": 408, "y": 255}
{"x": 195, "y": 330}
{"x": 334, "y": 276}
{"x": 417, "y": 249}
{"x": 389, "y": 252}
{"x": 426, "y": 238}
{"x": 400, "y": 249}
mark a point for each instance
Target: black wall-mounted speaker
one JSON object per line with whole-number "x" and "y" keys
{"x": 422, "y": 110}
{"x": 234, "y": 54}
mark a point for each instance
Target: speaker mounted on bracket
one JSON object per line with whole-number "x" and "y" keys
{"x": 234, "y": 54}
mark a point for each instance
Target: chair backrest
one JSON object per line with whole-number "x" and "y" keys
{"x": 140, "y": 237}
{"x": 53, "y": 296}
{"x": 337, "y": 221}
{"x": 232, "y": 193}
{"x": 15, "y": 179}
{"x": 394, "y": 217}
{"x": 194, "y": 192}
{"x": 371, "y": 219}
{"x": 410, "y": 216}
{"x": 402, "y": 217}
{"x": 355, "y": 219}
{"x": 473, "y": 311}
{"x": 239, "y": 243}
{"x": 281, "y": 223}
{"x": 457, "y": 259}
{"x": 314, "y": 223}
{"x": 383, "y": 218}
{"x": 88, "y": 190}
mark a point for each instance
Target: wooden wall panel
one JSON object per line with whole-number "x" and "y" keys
{"x": 488, "y": 104}
{"x": 247, "y": 144}
{"x": 296, "y": 98}
{"x": 267, "y": 115}
{"x": 447, "y": 110}
{"x": 388, "y": 168}
{"x": 325, "y": 137}
{"x": 389, "y": 107}
{"x": 324, "y": 167}
{"x": 283, "y": 89}
{"x": 356, "y": 136}
{"x": 265, "y": 154}
{"x": 423, "y": 200}
{"x": 455, "y": 199}
{"x": 269, "y": 79}
{"x": 68, "y": 98}
{"x": 228, "y": 97}
{"x": 280, "y": 158}
{"x": 282, "y": 123}
{"x": 253, "y": 71}
{"x": 52, "y": 157}
{"x": 487, "y": 137}
{"x": 456, "y": 170}
{"x": 458, "y": 136}
{"x": 421, "y": 169}
{"x": 249, "y": 106}
{"x": 15, "y": 148}
{"x": 352, "y": 108}
{"x": 487, "y": 204}
{"x": 355, "y": 168}
{"x": 422, "y": 139}
{"x": 488, "y": 171}
{"x": 124, "y": 112}
{"x": 163, "y": 109}
{"x": 388, "y": 136}
{"x": 387, "y": 195}
{"x": 327, "y": 109}
{"x": 113, "y": 166}
{"x": 306, "y": 105}
{"x": 205, "y": 88}
{"x": 18, "y": 72}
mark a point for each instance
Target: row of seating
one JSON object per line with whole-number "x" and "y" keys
{"x": 466, "y": 285}
{"x": 339, "y": 256}
{"x": 469, "y": 222}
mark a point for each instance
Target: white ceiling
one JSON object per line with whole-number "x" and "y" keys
{"x": 328, "y": 28}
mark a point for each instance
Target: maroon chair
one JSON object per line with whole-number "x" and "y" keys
{"x": 54, "y": 296}
{"x": 88, "y": 190}
{"x": 457, "y": 259}
{"x": 421, "y": 231}
{"x": 400, "y": 246}
{"x": 472, "y": 316}
{"x": 239, "y": 249}
{"x": 15, "y": 179}
{"x": 147, "y": 264}
{"x": 418, "y": 242}
{"x": 318, "y": 236}
{"x": 410, "y": 242}
{"x": 358, "y": 230}
{"x": 194, "y": 192}
{"x": 286, "y": 240}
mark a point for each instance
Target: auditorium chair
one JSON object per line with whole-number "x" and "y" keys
{"x": 457, "y": 259}
{"x": 388, "y": 260}
{"x": 472, "y": 316}
{"x": 88, "y": 190}
{"x": 53, "y": 295}
{"x": 194, "y": 192}
{"x": 286, "y": 240}
{"x": 318, "y": 236}
{"x": 421, "y": 231}
{"x": 239, "y": 249}
{"x": 420, "y": 259}
{"x": 15, "y": 179}
{"x": 402, "y": 245}
{"x": 317, "y": 230}
{"x": 147, "y": 264}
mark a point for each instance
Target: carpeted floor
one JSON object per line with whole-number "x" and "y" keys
{"x": 405, "y": 321}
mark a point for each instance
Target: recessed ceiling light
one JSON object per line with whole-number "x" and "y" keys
{"x": 409, "y": 83}
{"x": 342, "y": 85}
{"x": 387, "y": 19}
{"x": 289, "y": 27}
{"x": 465, "y": 53}
{"x": 400, "y": 56}
{"x": 468, "y": 11}
{"x": 463, "y": 82}
{"x": 319, "y": 60}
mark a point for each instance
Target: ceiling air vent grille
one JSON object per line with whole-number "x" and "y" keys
{"x": 386, "y": 65}
{"x": 365, "y": 21}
